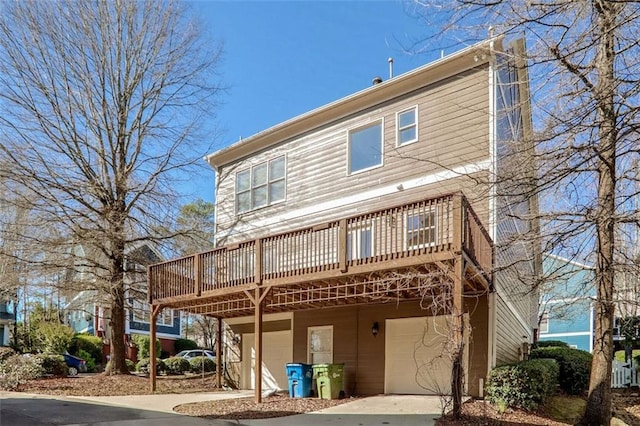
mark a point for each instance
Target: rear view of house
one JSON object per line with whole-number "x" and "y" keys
{"x": 362, "y": 233}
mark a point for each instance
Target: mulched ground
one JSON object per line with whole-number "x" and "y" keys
{"x": 626, "y": 402}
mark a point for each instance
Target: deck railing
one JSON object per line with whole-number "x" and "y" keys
{"x": 424, "y": 227}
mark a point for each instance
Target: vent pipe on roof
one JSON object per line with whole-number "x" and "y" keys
{"x": 376, "y": 80}
{"x": 390, "y": 60}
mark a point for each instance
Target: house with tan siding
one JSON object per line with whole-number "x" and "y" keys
{"x": 363, "y": 233}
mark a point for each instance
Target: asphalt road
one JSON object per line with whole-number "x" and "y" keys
{"x": 57, "y": 412}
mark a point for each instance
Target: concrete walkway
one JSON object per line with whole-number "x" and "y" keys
{"x": 395, "y": 410}
{"x": 157, "y": 410}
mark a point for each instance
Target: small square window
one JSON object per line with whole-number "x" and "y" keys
{"x": 407, "y": 126}
{"x": 365, "y": 147}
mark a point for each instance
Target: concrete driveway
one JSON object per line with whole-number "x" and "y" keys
{"x": 38, "y": 410}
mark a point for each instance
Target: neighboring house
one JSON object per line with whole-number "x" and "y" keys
{"x": 7, "y": 318}
{"x": 362, "y": 233}
{"x": 567, "y": 303}
{"x": 88, "y": 312}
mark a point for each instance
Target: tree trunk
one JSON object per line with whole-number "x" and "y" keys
{"x": 117, "y": 353}
{"x": 598, "y": 410}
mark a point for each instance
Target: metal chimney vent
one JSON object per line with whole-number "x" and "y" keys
{"x": 376, "y": 80}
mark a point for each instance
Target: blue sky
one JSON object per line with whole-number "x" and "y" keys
{"x": 284, "y": 58}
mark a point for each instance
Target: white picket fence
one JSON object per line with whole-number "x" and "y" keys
{"x": 625, "y": 374}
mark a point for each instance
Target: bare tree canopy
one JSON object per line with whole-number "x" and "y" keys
{"x": 102, "y": 104}
{"x": 584, "y": 61}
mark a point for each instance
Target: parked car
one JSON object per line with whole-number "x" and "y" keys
{"x": 197, "y": 352}
{"x": 76, "y": 365}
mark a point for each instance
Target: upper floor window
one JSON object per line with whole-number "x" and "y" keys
{"x": 261, "y": 185}
{"x": 544, "y": 323}
{"x": 407, "y": 126}
{"x": 365, "y": 147}
{"x": 142, "y": 313}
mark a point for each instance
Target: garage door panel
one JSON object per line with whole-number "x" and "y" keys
{"x": 277, "y": 351}
{"x": 416, "y": 358}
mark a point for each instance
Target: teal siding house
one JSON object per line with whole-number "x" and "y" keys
{"x": 566, "y": 310}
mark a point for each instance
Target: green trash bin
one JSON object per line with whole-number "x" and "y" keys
{"x": 328, "y": 380}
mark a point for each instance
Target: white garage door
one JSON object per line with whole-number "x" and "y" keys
{"x": 416, "y": 361}
{"x": 277, "y": 351}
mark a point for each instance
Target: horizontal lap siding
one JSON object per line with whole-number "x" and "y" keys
{"x": 453, "y": 131}
{"x": 364, "y": 355}
{"x": 509, "y": 334}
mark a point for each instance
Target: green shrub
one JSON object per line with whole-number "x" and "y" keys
{"x": 575, "y": 367}
{"x": 184, "y": 345}
{"x": 143, "y": 365}
{"x": 18, "y": 369}
{"x": 54, "y": 338}
{"x": 177, "y": 365}
{"x": 526, "y": 384}
{"x": 53, "y": 364}
{"x": 198, "y": 362}
{"x": 619, "y": 355}
{"x": 88, "y": 343}
{"x": 90, "y": 362}
{"x": 131, "y": 366}
{"x": 144, "y": 345}
{"x": 6, "y": 352}
{"x": 551, "y": 343}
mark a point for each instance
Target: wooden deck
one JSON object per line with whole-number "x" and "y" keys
{"x": 354, "y": 260}
{"x": 430, "y": 249}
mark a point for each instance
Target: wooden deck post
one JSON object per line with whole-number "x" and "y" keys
{"x": 219, "y": 355}
{"x": 258, "y": 345}
{"x": 155, "y": 310}
{"x": 342, "y": 244}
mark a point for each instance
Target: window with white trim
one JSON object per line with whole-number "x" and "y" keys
{"x": 407, "y": 126}
{"x": 261, "y": 185}
{"x": 421, "y": 229}
{"x": 142, "y": 313}
{"x": 365, "y": 147}
{"x": 544, "y": 323}
{"x": 320, "y": 344}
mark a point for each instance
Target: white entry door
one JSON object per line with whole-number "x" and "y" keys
{"x": 416, "y": 358}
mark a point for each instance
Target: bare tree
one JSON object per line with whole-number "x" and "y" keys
{"x": 583, "y": 61}
{"x": 102, "y": 104}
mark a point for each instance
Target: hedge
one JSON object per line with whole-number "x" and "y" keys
{"x": 551, "y": 343}
{"x": 18, "y": 369}
{"x": 90, "y": 344}
{"x": 526, "y": 384}
{"x": 53, "y": 364}
{"x": 143, "y": 365}
{"x": 177, "y": 365}
{"x": 198, "y": 362}
{"x": 575, "y": 367}
{"x": 184, "y": 345}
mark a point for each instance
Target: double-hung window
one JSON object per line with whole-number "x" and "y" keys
{"x": 142, "y": 313}
{"x": 407, "y": 126}
{"x": 421, "y": 229}
{"x": 365, "y": 147}
{"x": 261, "y": 185}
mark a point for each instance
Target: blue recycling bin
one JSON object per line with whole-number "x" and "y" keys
{"x": 300, "y": 380}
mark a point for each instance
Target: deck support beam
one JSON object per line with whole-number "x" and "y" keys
{"x": 219, "y": 354}
{"x": 257, "y": 301}
{"x": 155, "y": 311}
